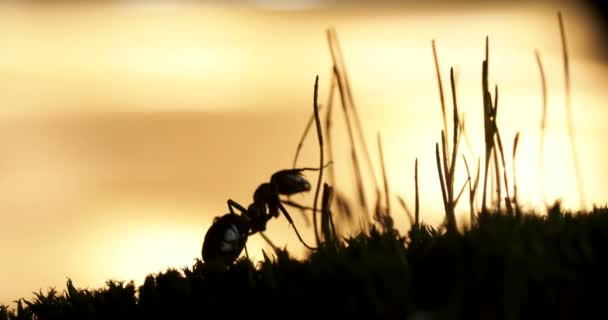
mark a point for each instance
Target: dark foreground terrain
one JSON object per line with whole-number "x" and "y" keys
{"x": 533, "y": 267}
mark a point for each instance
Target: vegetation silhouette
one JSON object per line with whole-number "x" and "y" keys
{"x": 508, "y": 263}
{"x": 503, "y": 267}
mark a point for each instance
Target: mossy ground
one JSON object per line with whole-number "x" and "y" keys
{"x": 550, "y": 266}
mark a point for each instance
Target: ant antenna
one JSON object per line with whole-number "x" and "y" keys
{"x": 315, "y": 169}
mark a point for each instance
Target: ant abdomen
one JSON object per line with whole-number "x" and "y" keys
{"x": 225, "y": 239}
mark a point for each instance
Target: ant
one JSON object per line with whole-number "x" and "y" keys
{"x": 226, "y": 238}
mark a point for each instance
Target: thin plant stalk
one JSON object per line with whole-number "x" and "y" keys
{"x": 472, "y": 188}
{"x": 515, "y": 201}
{"x": 417, "y": 201}
{"x": 320, "y": 177}
{"x": 328, "y": 229}
{"x": 543, "y": 125}
{"x": 569, "y": 111}
{"x": 342, "y": 68}
{"x": 354, "y": 158}
{"x": 440, "y": 86}
{"x": 384, "y": 175}
{"x": 328, "y": 125}
{"x": 489, "y": 115}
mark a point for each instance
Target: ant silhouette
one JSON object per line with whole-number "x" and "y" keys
{"x": 227, "y": 236}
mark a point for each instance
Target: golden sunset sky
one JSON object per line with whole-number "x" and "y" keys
{"x": 125, "y": 126}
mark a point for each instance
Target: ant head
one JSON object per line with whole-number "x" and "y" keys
{"x": 290, "y": 181}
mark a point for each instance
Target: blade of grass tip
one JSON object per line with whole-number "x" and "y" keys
{"x": 543, "y": 125}
{"x": 384, "y": 176}
{"x": 515, "y": 142}
{"x": 320, "y": 177}
{"x": 359, "y": 127}
{"x": 417, "y": 201}
{"x": 440, "y": 85}
{"x": 410, "y": 217}
{"x": 569, "y": 111}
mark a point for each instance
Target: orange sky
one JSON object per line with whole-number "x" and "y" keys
{"x": 126, "y": 127}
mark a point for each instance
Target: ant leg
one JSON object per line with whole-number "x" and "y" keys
{"x": 302, "y": 208}
{"x": 232, "y": 203}
{"x": 294, "y": 226}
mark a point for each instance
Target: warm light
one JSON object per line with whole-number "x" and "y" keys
{"x": 125, "y": 127}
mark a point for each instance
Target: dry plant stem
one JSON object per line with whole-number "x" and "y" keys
{"x": 504, "y": 171}
{"x": 569, "y": 111}
{"x": 354, "y": 158}
{"x": 442, "y": 183}
{"x": 384, "y": 176}
{"x": 543, "y": 125}
{"x": 320, "y": 136}
{"x": 498, "y": 150}
{"x": 440, "y": 85}
{"x": 342, "y": 67}
{"x": 456, "y": 133}
{"x": 497, "y": 179}
{"x": 488, "y": 123}
{"x": 346, "y": 100}
{"x": 328, "y": 126}
{"x": 417, "y": 203}
{"x": 515, "y": 202}
{"x": 456, "y": 140}
{"x": 446, "y": 172}
{"x": 327, "y": 226}
{"x": 471, "y": 194}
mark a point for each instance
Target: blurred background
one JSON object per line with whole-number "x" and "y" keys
{"x": 126, "y": 125}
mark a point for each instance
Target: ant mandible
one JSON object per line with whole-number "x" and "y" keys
{"x": 227, "y": 236}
